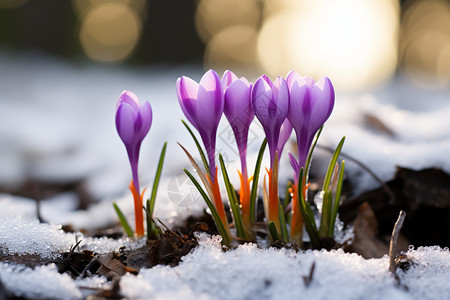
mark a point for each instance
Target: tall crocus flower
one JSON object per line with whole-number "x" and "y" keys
{"x": 310, "y": 105}
{"x": 270, "y": 102}
{"x": 239, "y": 112}
{"x": 202, "y": 104}
{"x": 133, "y": 122}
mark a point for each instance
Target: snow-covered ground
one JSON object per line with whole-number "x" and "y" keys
{"x": 57, "y": 125}
{"x": 244, "y": 273}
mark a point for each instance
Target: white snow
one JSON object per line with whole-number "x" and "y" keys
{"x": 252, "y": 273}
{"x": 42, "y": 282}
{"x": 57, "y": 125}
{"x": 21, "y": 235}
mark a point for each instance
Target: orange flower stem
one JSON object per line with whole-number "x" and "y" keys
{"x": 297, "y": 218}
{"x": 138, "y": 211}
{"x": 273, "y": 200}
{"x": 218, "y": 202}
{"x": 244, "y": 198}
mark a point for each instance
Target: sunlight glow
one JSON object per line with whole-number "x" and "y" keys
{"x": 425, "y": 42}
{"x": 353, "y": 42}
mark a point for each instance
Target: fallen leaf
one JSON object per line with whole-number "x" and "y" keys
{"x": 366, "y": 242}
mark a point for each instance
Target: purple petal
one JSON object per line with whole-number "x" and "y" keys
{"x": 210, "y": 81}
{"x": 309, "y": 81}
{"x": 130, "y": 98}
{"x": 228, "y": 78}
{"x": 239, "y": 112}
{"x": 237, "y": 106}
{"x": 322, "y": 94}
{"x": 281, "y": 96}
{"x": 125, "y": 119}
{"x": 291, "y": 77}
{"x": 294, "y": 165}
{"x": 261, "y": 96}
{"x": 270, "y": 103}
{"x": 285, "y": 133}
{"x": 209, "y": 101}
{"x": 187, "y": 90}
{"x": 299, "y": 102}
{"x": 146, "y": 115}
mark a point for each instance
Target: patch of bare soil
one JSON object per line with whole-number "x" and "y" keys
{"x": 425, "y": 197}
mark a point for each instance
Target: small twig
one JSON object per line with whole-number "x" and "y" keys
{"x": 37, "y": 195}
{"x": 89, "y": 266}
{"x": 308, "y": 279}
{"x": 394, "y": 238}
{"x": 158, "y": 228}
{"x": 367, "y": 169}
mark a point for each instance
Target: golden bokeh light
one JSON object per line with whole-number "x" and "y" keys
{"x": 233, "y": 47}
{"x": 109, "y": 32}
{"x": 353, "y": 42}
{"x": 82, "y": 7}
{"x": 213, "y": 16}
{"x": 443, "y": 67}
{"x": 425, "y": 42}
{"x": 12, "y": 3}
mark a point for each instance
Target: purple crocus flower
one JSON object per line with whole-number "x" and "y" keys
{"x": 239, "y": 112}
{"x": 133, "y": 122}
{"x": 202, "y": 104}
{"x": 270, "y": 102}
{"x": 310, "y": 105}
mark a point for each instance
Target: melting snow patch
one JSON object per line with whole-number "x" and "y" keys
{"x": 252, "y": 273}
{"x": 22, "y": 236}
{"x": 428, "y": 276}
{"x": 39, "y": 283}
{"x": 28, "y": 236}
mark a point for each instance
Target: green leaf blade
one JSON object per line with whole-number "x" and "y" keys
{"x": 253, "y": 194}
{"x": 123, "y": 220}
{"x": 233, "y": 201}
{"x": 220, "y": 226}
{"x": 202, "y": 154}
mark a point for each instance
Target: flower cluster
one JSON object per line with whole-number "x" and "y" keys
{"x": 297, "y": 103}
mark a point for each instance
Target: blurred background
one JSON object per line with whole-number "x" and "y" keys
{"x": 359, "y": 44}
{"x": 64, "y": 63}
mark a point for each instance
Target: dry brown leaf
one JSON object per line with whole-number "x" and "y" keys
{"x": 366, "y": 242}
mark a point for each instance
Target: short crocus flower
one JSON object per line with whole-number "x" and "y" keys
{"x": 133, "y": 122}
{"x": 202, "y": 104}
{"x": 310, "y": 105}
{"x": 270, "y": 102}
{"x": 239, "y": 112}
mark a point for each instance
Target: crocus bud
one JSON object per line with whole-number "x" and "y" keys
{"x": 270, "y": 102}
{"x": 310, "y": 105}
{"x": 202, "y": 104}
{"x": 133, "y": 122}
